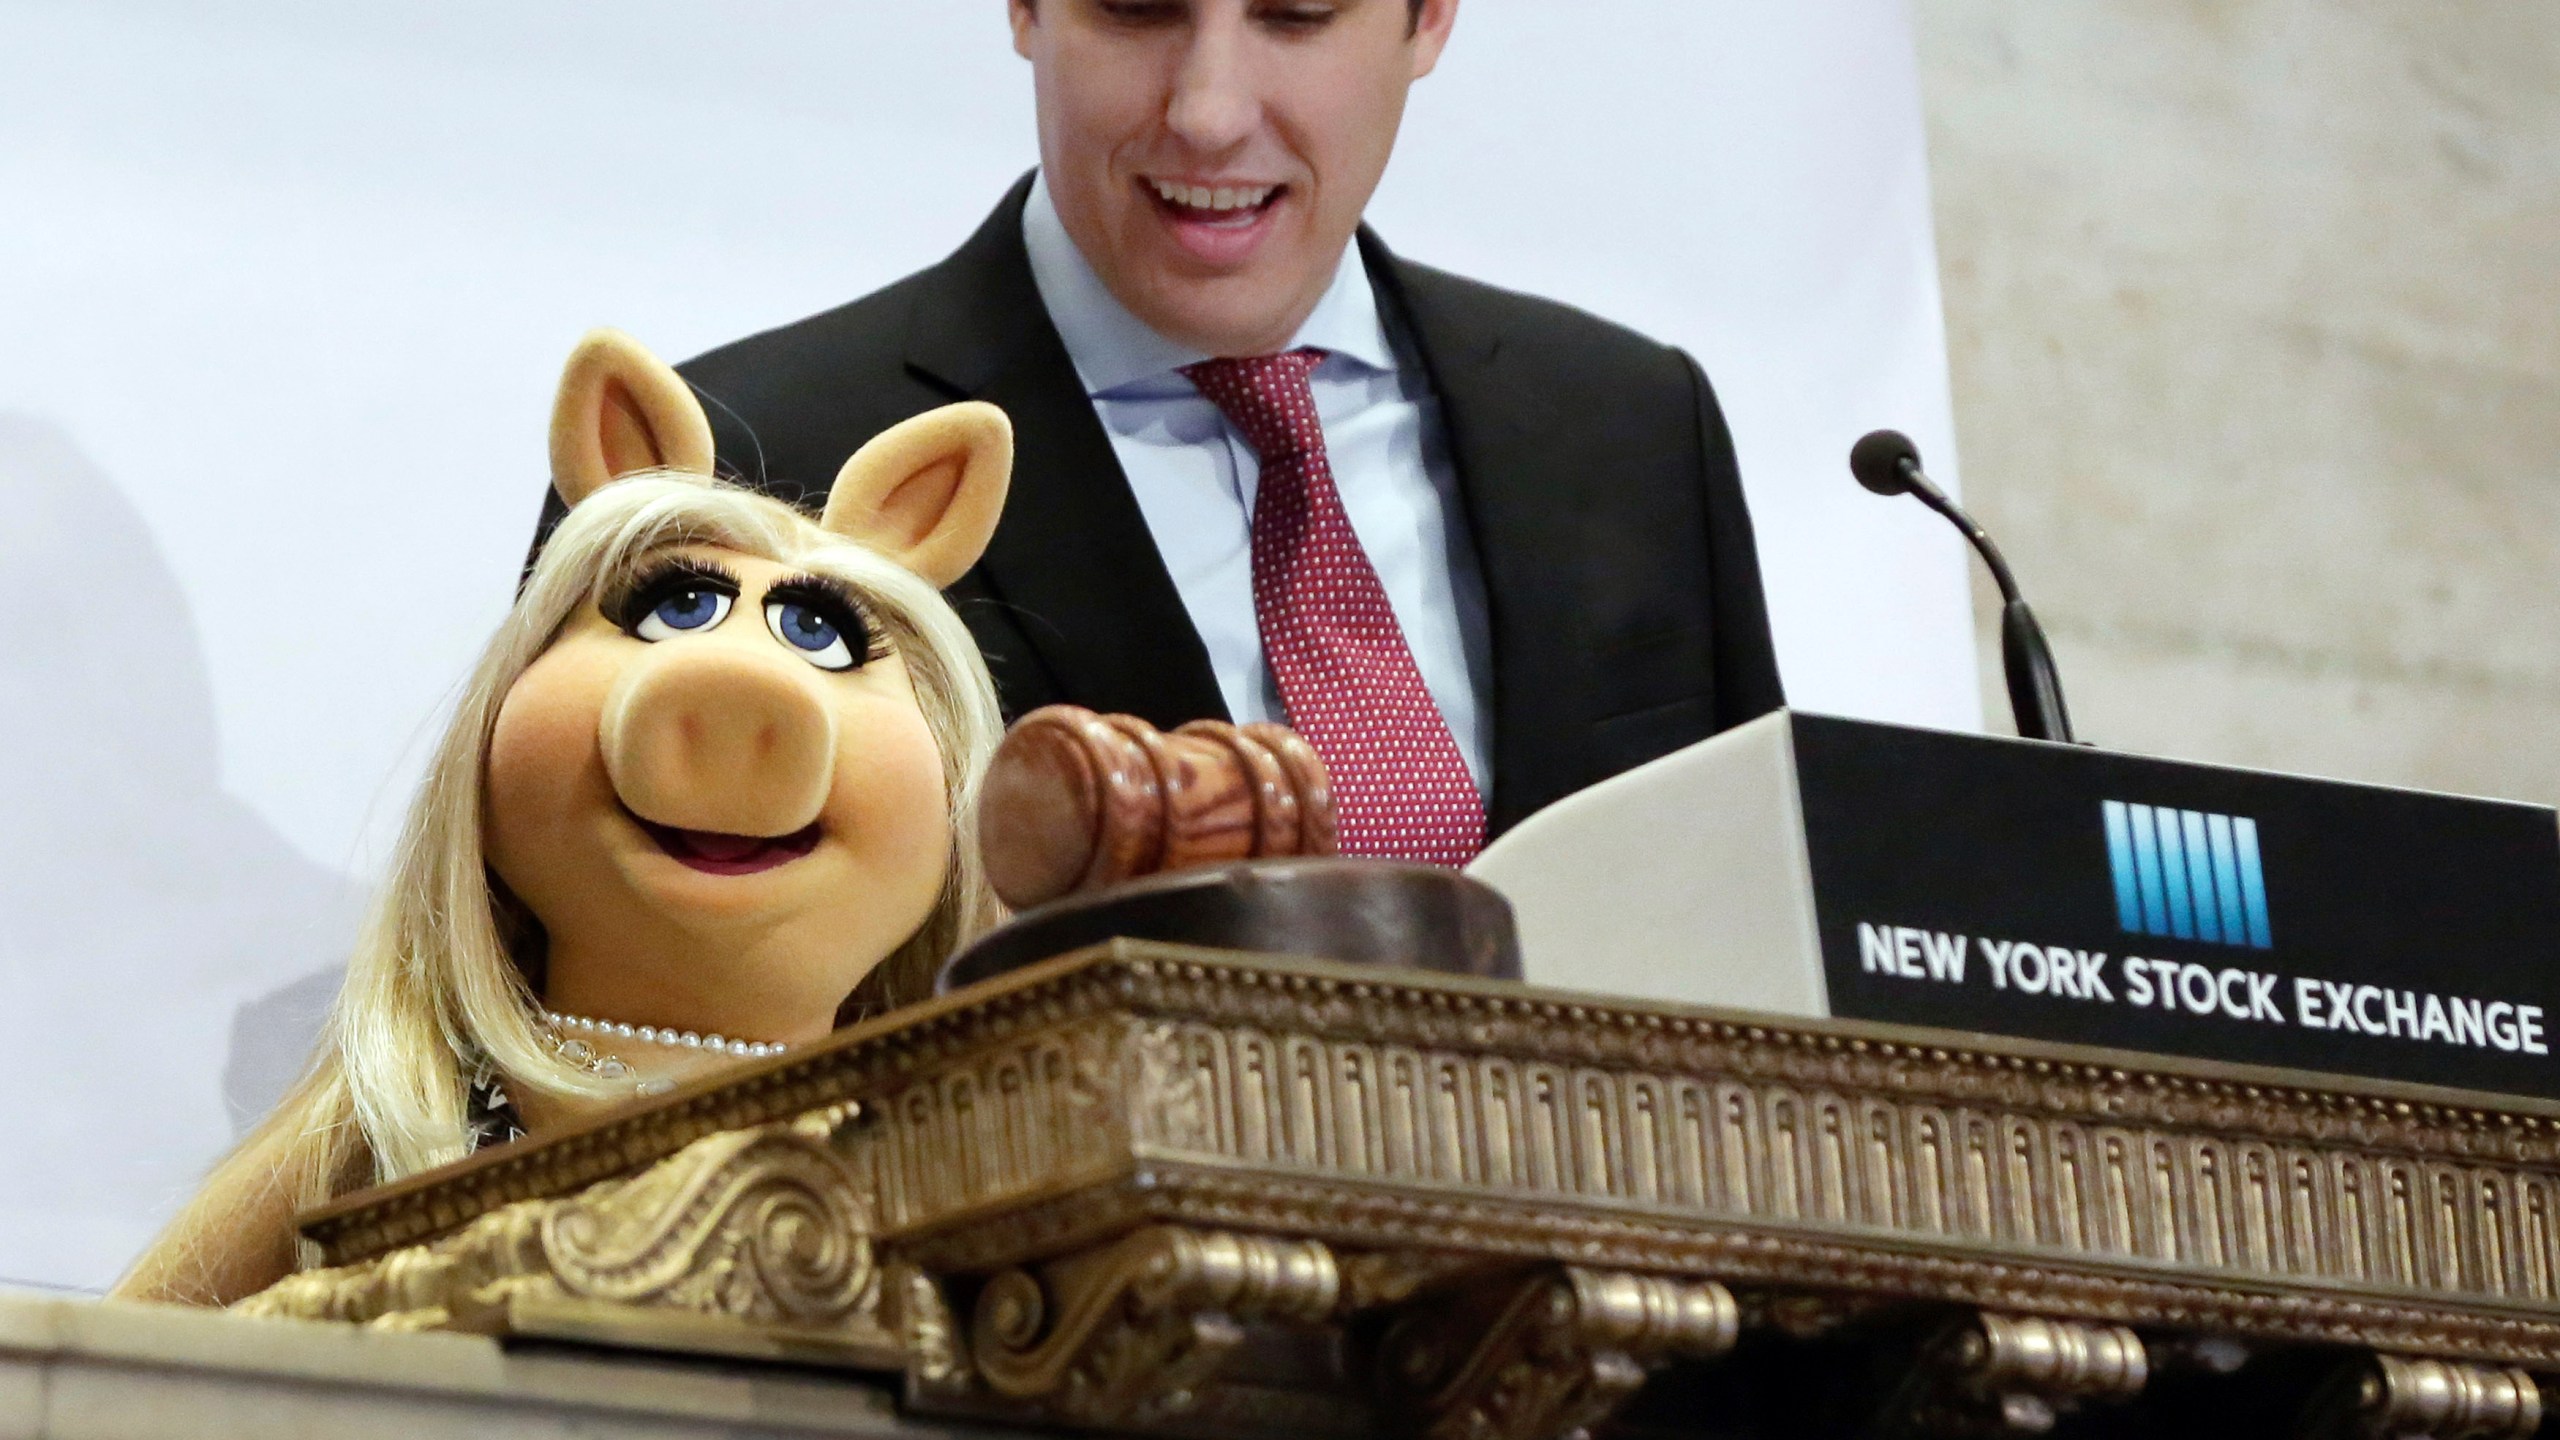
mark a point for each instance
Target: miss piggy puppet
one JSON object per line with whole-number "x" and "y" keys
{"x": 709, "y": 787}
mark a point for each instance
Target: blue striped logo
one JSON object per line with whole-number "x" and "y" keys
{"x": 2187, "y": 875}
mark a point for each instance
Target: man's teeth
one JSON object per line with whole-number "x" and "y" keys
{"x": 1202, "y": 197}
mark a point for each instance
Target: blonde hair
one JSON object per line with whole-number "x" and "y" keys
{"x": 442, "y": 980}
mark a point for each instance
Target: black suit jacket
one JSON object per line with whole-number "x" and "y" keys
{"x": 1595, "y": 469}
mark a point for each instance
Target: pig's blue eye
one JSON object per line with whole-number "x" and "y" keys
{"x": 810, "y": 630}
{"x": 694, "y": 607}
{"x": 675, "y": 595}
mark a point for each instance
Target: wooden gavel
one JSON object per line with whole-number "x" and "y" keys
{"x": 1075, "y": 801}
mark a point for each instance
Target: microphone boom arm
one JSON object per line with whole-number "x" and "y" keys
{"x": 1936, "y": 499}
{"x": 1887, "y": 463}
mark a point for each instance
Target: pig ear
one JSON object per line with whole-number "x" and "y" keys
{"x": 926, "y": 492}
{"x": 621, "y": 409}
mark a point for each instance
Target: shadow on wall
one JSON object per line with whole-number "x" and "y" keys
{"x": 167, "y": 955}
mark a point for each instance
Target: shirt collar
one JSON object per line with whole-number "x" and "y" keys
{"x": 1113, "y": 349}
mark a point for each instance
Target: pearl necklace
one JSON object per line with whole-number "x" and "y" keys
{"x": 652, "y": 1035}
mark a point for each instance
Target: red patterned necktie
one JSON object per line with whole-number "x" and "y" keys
{"x": 1400, "y": 787}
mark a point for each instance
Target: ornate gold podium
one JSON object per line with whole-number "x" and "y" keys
{"x": 1154, "y": 1189}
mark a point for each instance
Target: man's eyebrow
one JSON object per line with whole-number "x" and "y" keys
{"x": 1144, "y": 10}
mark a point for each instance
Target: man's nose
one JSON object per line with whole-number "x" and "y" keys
{"x": 1214, "y": 106}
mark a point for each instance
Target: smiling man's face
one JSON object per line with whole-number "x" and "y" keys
{"x": 1211, "y": 158}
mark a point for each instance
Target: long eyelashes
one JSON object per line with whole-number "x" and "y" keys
{"x": 662, "y": 580}
{"x": 835, "y": 602}
{"x": 678, "y": 593}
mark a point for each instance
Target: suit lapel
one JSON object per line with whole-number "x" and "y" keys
{"x": 1511, "y": 481}
{"x": 1072, "y": 559}
{"x": 1074, "y": 564}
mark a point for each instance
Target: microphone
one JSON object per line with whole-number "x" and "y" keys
{"x": 1886, "y": 462}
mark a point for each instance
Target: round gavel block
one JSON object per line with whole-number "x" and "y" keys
{"x": 1076, "y": 801}
{"x": 1360, "y": 912}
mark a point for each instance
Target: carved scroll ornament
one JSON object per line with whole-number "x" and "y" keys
{"x": 1127, "y": 1333}
{"x": 1551, "y": 1354}
{"x": 765, "y": 1227}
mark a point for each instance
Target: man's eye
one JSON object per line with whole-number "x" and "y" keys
{"x": 1296, "y": 17}
{"x": 812, "y": 632}
{"x": 691, "y": 608}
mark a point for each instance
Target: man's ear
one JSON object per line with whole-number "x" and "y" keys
{"x": 926, "y": 492}
{"x": 621, "y": 409}
{"x": 1432, "y": 23}
{"x": 1022, "y": 15}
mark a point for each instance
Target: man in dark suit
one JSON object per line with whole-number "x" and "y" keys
{"x": 1531, "y": 564}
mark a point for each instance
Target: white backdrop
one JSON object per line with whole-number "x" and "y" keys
{"x": 284, "y": 285}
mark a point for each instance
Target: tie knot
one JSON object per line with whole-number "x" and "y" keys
{"x": 1267, "y": 398}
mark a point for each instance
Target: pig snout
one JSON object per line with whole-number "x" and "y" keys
{"x": 720, "y": 738}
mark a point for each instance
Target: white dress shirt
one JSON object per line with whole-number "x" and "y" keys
{"x": 1195, "y": 476}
